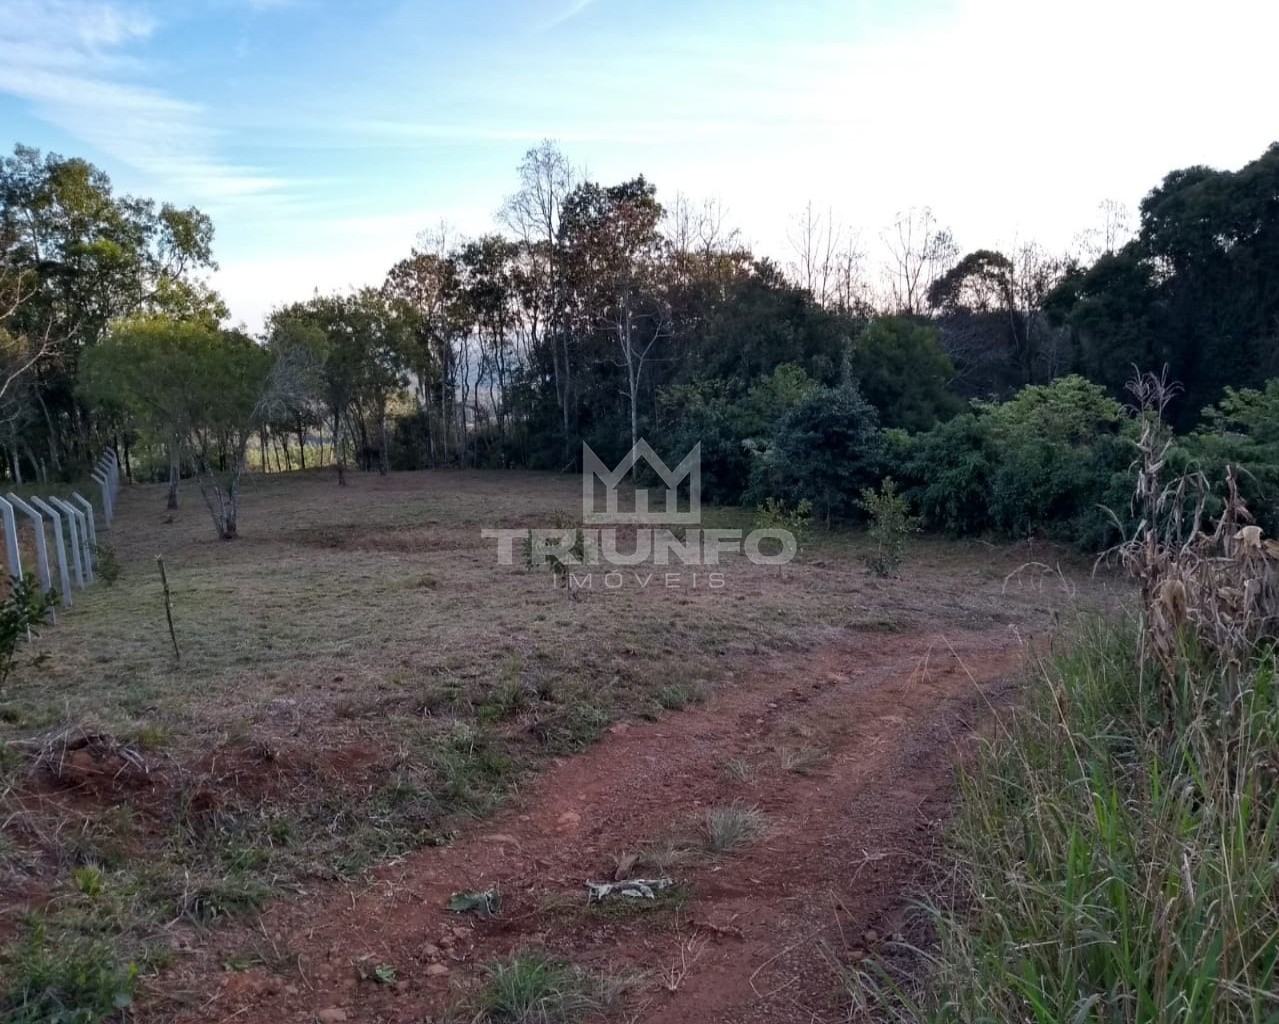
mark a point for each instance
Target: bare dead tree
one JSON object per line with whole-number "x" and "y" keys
{"x": 19, "y": 353}
{"x": 817, "y": 240}
{"x": 533, "y": 213}
{"x": 920, "y": 251}
{"x": 1108, "y": 235}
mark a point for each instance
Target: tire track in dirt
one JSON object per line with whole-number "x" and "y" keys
{"x": 845, "y": 844}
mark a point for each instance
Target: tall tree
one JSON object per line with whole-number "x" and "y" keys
{"x": 612, "y": 250}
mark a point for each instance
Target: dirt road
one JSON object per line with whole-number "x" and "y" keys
{"x": 848, "y": 753}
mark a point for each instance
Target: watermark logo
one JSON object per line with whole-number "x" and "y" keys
{"x": 594, "y": 470}
{"x": 649, "y": 536}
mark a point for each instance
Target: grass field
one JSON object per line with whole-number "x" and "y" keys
{"x": 359, "y": 678}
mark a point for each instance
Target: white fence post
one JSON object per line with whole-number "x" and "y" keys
{"x": 79, "y": 501}
{"x": 11, "y": 540}
{"x": 42, "y": 550}
{"x": 61, "y": 544}
{"x": 99, "y": 477}
{"x": 79, "y": 542}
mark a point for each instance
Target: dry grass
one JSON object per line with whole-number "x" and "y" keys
{"x": 728, "y": 829}
{"x": 359, "y": 677}
{"x": 1207, "y": 575}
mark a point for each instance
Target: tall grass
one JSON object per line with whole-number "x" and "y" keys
{"x": 1118, "y": 850}
{"x": 1117, "y": 842}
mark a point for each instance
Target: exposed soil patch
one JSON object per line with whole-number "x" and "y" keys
{"x": 847, "y": 753}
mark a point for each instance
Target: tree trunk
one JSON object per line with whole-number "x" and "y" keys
{"x": 173, "y": 478}
{"x": 302, "y": 443}
{"x": 337, "y": 448}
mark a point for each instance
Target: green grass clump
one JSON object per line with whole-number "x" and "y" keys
{"x": 1119, "y": 850}
{"x": 531, "y": 987}
{"x": 78, "y": 982}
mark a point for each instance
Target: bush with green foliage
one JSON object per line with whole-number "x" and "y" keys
{"x": 951, "y": 467}
{"x": 726, "y": 420}
{"x": 824, "y": 451}
{"x": 890, "y": 525}
{"x": 797, "y": 520}
{"x": 1242, "y": 430}
{"x": 106, "y": 562}
{"x": 22, "y": 614}
{"x": 902, "y": 370}
{"x": 1049, "y": 462}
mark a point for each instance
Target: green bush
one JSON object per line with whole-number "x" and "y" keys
{"x": 953, "y": 466}
{"x": 1243, "y": 430}
{"x": 1048, "y": 462}
{"x": 825, "y": 451}
{"x": 775, "y": 514}
{"x": 21, "y": 615}
{"x": 727, "y": 420}
{"x": 890, "y": 525}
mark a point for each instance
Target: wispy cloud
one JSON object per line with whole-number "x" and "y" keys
{"x": 575, "y": 8}
{"x": 72, "y": 61}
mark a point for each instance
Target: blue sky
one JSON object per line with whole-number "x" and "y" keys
{"x": 324, "y": 136}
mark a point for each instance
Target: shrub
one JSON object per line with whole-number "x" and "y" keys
{"x": 1243, "y": 430}
{"x": 1053, "y": 455}
{"x": 775, "y": 514}
{"x": 106, "y": 563}
{"x": 890, "y": 524}
{"x": 21, "y": 615}
{"x": 954, "y": 464}
{"x": 825, "y": 451}
{"x": 1045, "y": 462}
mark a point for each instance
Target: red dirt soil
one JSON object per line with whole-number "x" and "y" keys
{"x": 847, "y": 844}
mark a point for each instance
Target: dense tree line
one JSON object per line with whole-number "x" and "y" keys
{"x": 598, "y": 315}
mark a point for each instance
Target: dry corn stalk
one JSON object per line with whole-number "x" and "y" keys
{"x": 1213, "y": 582}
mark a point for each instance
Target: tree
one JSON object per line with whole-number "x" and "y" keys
{"x": 994, "y": 302}
{"x": 826, "y": 451}
{"x": 1195, "y": 289}
{"x": 164, "y": 374}
{"x": 361, "y": 345}
{"x": 901, "y": 369}
{"x": 258, "y": 387}
{"x": 429, "y": 282}
{"x": 920, "y": 251}
{"x": 84, "y": 257}
{"x": 612, "y": 249}
{"x": 535, "y": 213}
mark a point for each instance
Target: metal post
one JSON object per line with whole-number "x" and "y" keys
{"x": 79, "y": 501}
{"x": 100, "y": 478}
{"x": 79, "y": 542}
{"x": 63, "y": 571}
{"x": 11, "y": 540}
{"x": 42, "y": 551}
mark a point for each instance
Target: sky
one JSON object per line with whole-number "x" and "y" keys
{"x": 323, "y": 137}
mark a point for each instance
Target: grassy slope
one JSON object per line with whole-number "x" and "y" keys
{"x": 358, "y": 677}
